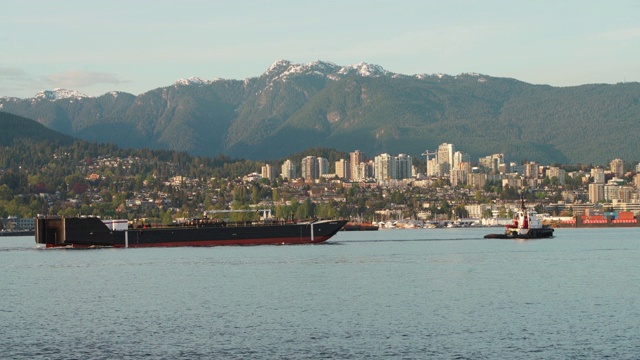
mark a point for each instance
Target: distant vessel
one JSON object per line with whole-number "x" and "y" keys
{"x": 93, "y": 232}
{"x": 17, "y": 232}
{"x": 613, "y": 219}
{"x": 360, "y": 226}
{"x": 526, "y": 225}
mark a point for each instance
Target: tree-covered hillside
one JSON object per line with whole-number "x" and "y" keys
{"x": 292, "y": 107}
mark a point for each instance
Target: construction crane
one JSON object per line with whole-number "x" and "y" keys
{"x": 428, "y": 153}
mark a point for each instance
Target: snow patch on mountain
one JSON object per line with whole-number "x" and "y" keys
{"x": 364, "y": 69}
{"x": 283, "y": 69}
{"x": 192, "y": 81}
{"x": 57, "y": 94}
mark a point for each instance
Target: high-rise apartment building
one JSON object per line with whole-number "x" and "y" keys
{"x": 388, "y": 167}
{"x": 495, "y": 163}
{"x": 323, "y": 166}
{"x": 531, "y": 170}
{"x": 310, "y": 169}
{"x": 384, "y": 167}
{"x": 403, "y": 164}
{"x": 558, "y": 173}
{"x": 458, "y": 159}
{"x": 268, "y": 172}
{"x": 596, "y": 192}
{"x": 343, "y": 170}
{"x": 445, "y": 159}
{"x": 289, "y": 170}
{"x": 355, "y": 159}
{"x": 598, "y": 175}
{"x": 617, "y": 167}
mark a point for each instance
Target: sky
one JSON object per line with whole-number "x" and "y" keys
{"x": 135, "y": 46}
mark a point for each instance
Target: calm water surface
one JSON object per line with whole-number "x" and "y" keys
{"x": 409, "y": 294}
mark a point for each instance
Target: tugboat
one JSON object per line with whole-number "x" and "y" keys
{"x": 526, "y": 225}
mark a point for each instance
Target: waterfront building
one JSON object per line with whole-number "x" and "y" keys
{"x": 18, "y": 223}
{"x": 596, "y": 192}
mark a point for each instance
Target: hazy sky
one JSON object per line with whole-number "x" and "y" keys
{"x": 98, "y": 46}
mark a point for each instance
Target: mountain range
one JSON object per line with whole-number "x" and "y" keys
{"x": 292, "y": 107}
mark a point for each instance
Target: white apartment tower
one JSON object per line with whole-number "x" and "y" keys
{"x": 288, "y": 170}
{"x": 384, "y": 167}
{"x": 268, "y": 172}
{"x": 355, "y": 159}
{"x": 445, "y": 159}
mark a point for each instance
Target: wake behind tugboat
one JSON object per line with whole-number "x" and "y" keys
{"x": 526, "y": 225}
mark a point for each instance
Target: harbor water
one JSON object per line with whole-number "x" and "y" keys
{"x": 406, "y": 294}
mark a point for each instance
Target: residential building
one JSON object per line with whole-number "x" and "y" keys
{"x": 323, "y": 166}
{"x": 596, "y": 192}
{"x": 289, "y": 170}
{"x": 355, "y": 159}
{"x": 343, "y": 170}
{"x": 268, "y": 172}
{"x": 558, "y": 173}
{"x": 598, "y": 175}
{"x": 531, "y": 170}
{"x": 617, "y": 167}
{"x": 445, "y": 159}
{"x": 310, "y": 169}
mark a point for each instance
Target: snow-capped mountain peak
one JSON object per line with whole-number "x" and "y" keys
{"x": 283, "y": 69}
{"x": 364, "y": 69}
{"x": 58, "y": 93}
{"x": 192, "y": 81}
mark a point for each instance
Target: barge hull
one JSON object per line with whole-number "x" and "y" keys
{"x": 92, "y": 232}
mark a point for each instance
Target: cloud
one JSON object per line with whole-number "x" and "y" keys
{"x": 12, "y": 73}
{"x": 622, "y": 34}
{"x": 79, "y": 78}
